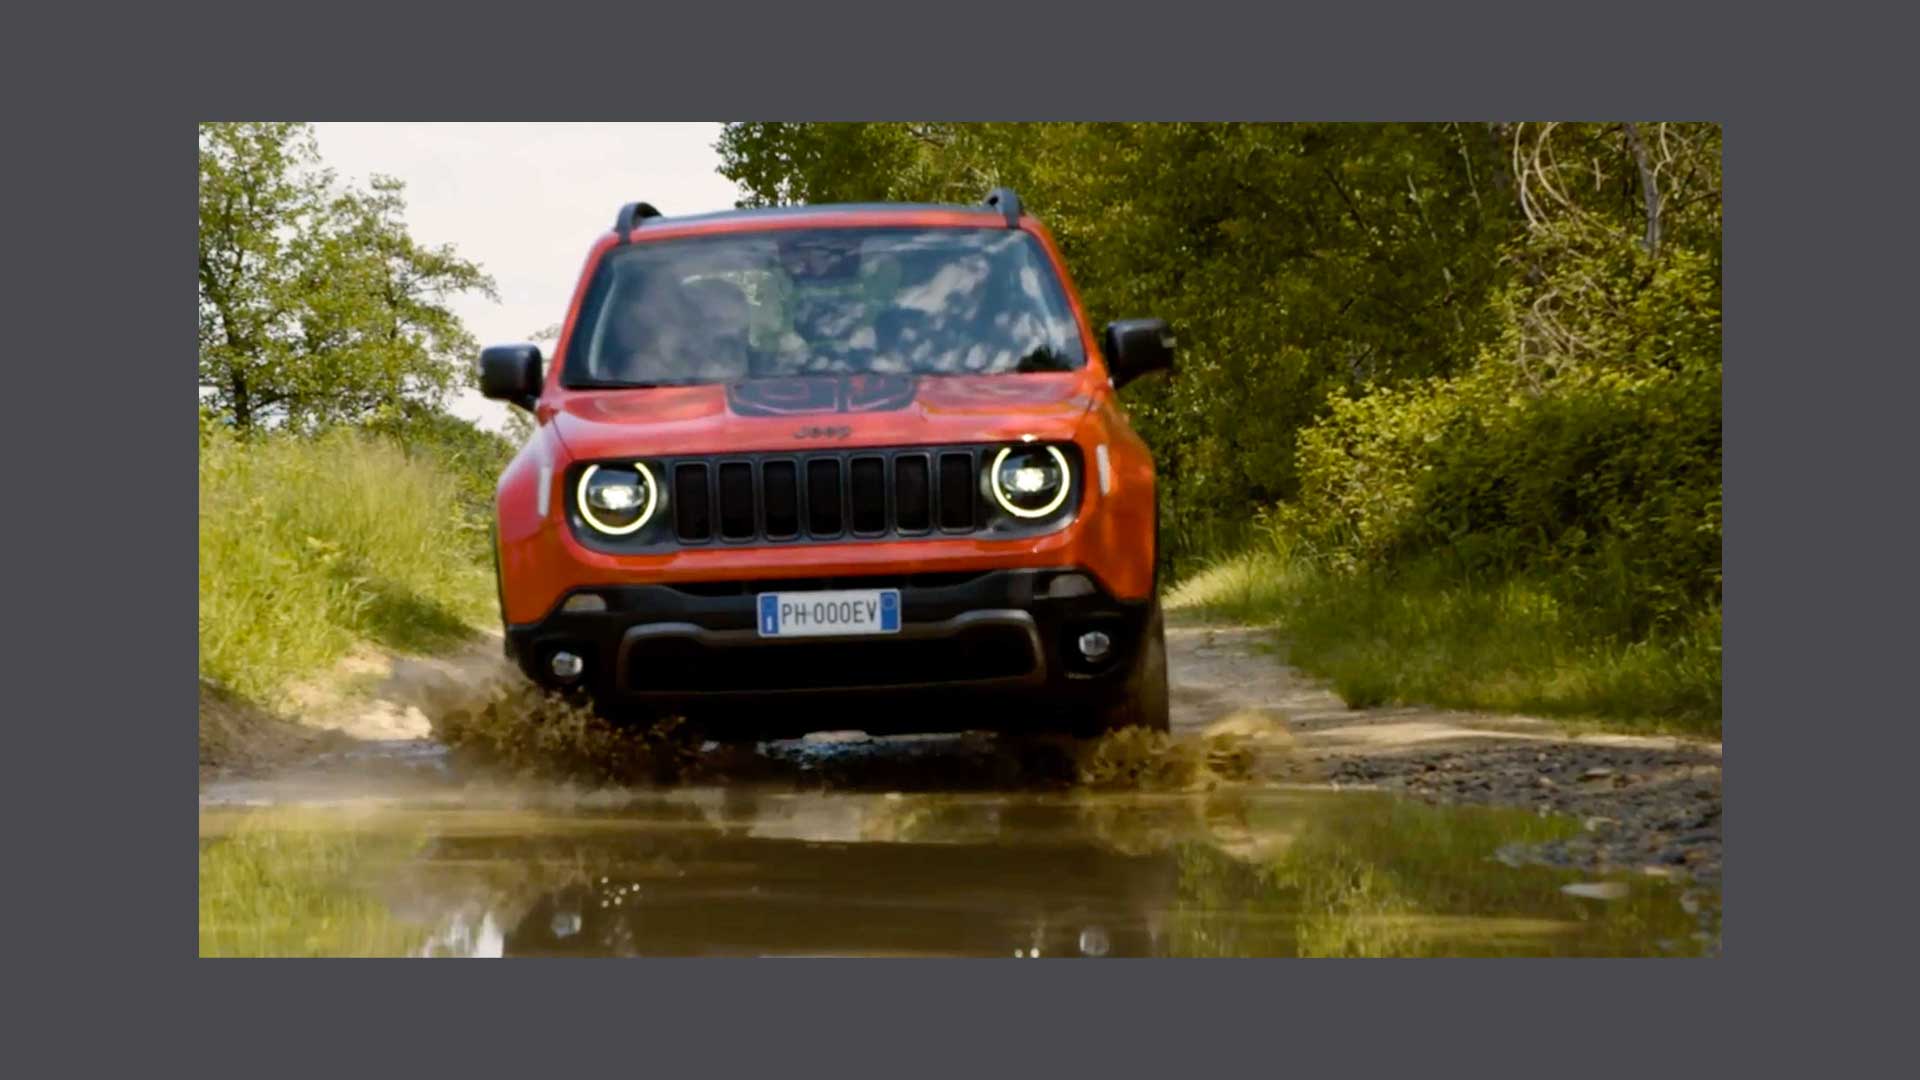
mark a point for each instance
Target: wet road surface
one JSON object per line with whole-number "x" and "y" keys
{"x": 421, "y": 861}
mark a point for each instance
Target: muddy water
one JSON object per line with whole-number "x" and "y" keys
{"x": 471, "y": 870}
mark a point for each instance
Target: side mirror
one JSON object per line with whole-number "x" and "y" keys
{"x": 511, "y": 373}
{"x": 1138, "y": 346}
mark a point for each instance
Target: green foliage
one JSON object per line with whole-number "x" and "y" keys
{"x": 470, "y": 457}
{"x": 310, "y": 545}
{"x": 365, "y": 514}
{"x": 1474, "y": 367}
{"x": 1593, "y": 454}
{"x": 315, "y": 305}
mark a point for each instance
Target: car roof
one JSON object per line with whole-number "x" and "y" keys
{"x": 833, "y": 208}
{"x": 1001, "y": 208}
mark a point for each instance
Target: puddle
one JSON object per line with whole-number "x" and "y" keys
{"x": 745, "y": 870}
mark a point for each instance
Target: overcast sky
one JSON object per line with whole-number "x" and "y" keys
{"x": 525, "y": 201}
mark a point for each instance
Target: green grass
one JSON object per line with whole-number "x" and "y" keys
{"x": 310, "y": 546}
{"x": 1427, "y": 635}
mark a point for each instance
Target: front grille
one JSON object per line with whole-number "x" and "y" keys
{"x": 863, "y": 494}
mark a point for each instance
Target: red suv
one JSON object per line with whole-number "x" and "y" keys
{"x": 835, "y": 466}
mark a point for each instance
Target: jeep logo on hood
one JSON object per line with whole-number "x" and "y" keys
{"x": 838, "y": 432}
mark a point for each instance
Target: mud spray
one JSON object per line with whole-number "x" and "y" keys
{"x": 521, "y": 732}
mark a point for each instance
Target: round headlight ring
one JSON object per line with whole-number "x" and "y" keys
{"x": 1000, "y": 495}
{"x": 646, "y": 513}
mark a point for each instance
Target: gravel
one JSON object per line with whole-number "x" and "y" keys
{"x": 1639, "y": 808}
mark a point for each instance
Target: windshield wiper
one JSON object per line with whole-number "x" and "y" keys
{"x": 1044, "y": 358}
{"x": 606, "y": 384}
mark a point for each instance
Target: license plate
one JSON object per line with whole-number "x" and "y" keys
{"x": 837, "y": 613}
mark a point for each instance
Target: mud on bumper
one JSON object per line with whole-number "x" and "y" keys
{"x": 962, "y": 635}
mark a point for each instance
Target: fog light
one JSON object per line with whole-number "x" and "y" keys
{"x": 585, "y": 602}
{"x": 1094, "y": 644}
{"x": 566, "y": 666}
{"x": 1069, "y": 585}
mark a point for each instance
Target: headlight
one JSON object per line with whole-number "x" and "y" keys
{"x": 1029, "y": 481}
{"x": 617, "y": 499}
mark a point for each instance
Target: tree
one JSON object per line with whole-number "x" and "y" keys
{"x": 316, "y": 306}
{"x": 258, "y": 188}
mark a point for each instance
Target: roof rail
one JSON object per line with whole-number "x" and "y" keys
{"x": 1007, "y": 203}
{"x": 631, "y": 215}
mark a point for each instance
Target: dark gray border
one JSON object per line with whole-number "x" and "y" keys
{"x": 1818, "y": 413}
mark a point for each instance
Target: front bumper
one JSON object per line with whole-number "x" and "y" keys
{"x": 962, "y": 635}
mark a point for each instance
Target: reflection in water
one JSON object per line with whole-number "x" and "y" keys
{"x": 461, "y": 936}
{"x": 739, "y": 872}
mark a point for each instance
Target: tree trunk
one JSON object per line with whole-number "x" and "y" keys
{"x": 242, "y": 403}
{"x": 1648, "y": 189}
{"x": 1498, "y": 137}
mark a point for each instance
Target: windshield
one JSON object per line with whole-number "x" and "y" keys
{"x": 780, "y": 303}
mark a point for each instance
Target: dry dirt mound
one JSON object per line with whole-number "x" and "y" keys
{"x": 370, "y": 697}
{"x": 379, "y": 695}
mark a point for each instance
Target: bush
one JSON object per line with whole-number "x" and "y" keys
{"x": 1605, "y": 473}
{"x": 308, "y": 546}
{"x": 1540, "y": 533}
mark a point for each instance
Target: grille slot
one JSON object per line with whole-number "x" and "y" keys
{"x": 956, "y": 490}
{"x": 823, "y": 497}
{"x": 736, "y": 501}
{"x": 693, "y": 511}
{"x": 912, "y": 493}
{"x": 780, "y": 499}
{"x": 867, "y": 493}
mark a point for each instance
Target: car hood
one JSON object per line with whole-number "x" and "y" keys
{"x": 822, "y": 412}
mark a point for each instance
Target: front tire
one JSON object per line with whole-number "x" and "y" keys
{"x": 1144, "y": 700}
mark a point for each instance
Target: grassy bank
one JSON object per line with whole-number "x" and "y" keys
{"x": 309, "y": 547}
{"x": 1425, "y": 633}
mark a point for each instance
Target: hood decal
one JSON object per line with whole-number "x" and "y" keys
{"x": 838, "y": 394}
